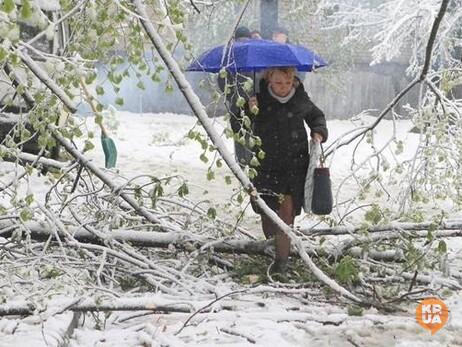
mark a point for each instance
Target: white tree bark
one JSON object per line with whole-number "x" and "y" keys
{"x": 148, "y": 239}
{"x": 127, "y": 304}
{"x": 49, "y": 82}
{"x": 31, "y": 158}
{"x": 422, "y": 228}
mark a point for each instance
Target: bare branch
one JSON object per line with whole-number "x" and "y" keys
{"x": 402, "y": 93}
{"x": 431, "y": 39}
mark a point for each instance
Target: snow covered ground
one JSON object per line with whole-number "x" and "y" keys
{"x": 156, "y": 144}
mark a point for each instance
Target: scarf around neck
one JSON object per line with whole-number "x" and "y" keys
{"x": 282, "y": 99}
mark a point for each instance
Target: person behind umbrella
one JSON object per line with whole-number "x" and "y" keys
{"x": 255, "y": 34}
{"x": 284, "y": 109}
{"x": 236, "y": 93}
{"x": 281, "y": 35}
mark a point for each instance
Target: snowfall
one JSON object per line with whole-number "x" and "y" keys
{"x": 267, "y": 315}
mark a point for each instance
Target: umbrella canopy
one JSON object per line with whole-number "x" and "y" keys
{"x": 254, "y": 55}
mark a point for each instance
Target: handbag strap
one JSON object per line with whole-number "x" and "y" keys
{"x": 322, "y": 157}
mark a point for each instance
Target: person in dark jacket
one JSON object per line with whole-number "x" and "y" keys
{"x": 280, "y": 34}
{"x": 284, "y": 109}
{"x": 237, "y": 104}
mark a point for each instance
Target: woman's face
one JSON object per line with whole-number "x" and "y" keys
{"x": 280, "y": 83}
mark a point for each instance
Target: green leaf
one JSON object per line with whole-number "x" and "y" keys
{"x": 137, "y": 192}
{"x": 191, "y": 134}
{"x": 442, "y": 247}
{"x": 42, "y": 140}
{"x": 3, "y": 54}
{"x": 374, "y": 215}
{"x": 119, "y": 101}
{"x": 210, "y": 175}
{"x": 248, "y": 85}
{"x": 26, "y": 9}
{"x": 155, "y": 77}
{"x": 246, "y": 121}
{"x": 252, "y": 173}
{"x": 29, "y": 199}
{"x": 240, "y": 198}
{"x": 118, "y": 78}
{"x": 8, "y": 6}
{"x": 51, "y": 272}
{"x": 98, "y": 119}
{"x": 212, "y": 213}
{"x": 347, "y": 271}
{"x": 240, "y": 102}
{"x": 399, "y": 147}
{"x": 204, "y": 158}
{"x": 88, "y": 146}
{"x": 257, "y": 141}
{"x": 203, "y": 143}
{"x": 355, "y": 310}
{"x": 169, "y": 88}
{"x": 26, "y": 215}
{"x": 78, "y": 133}
{"x": 223, "y": 73}
{"x": 99, "y": 90}
{"x": 90, "y": 78}
{"x": 29, "y": 169}
{"x": 140, "y": 85}
{"x": 254, "y": 162}
{"x": 158, "y": 190}
{"x": 99, "y": 107}
{"x": 183, "y": 190}
{"x": 430, "y": 235}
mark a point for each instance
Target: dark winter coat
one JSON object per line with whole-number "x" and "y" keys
{"x": 284, "y": 139}
{"x": 281, "y": 128}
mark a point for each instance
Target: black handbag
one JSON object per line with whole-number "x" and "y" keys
{"x": 322, "y": 201}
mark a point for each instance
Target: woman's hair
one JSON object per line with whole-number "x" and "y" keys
{"x": 288, "y": 71}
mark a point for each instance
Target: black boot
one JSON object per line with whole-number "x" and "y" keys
{"x": 278, "y": 270}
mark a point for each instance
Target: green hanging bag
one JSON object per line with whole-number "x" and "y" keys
{"x": 109, "y": 149}
{"x": 108, "y": 144}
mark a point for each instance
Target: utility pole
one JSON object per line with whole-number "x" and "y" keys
{"x": 268, "y": 17}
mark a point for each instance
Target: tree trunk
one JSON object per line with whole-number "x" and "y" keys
{"x": 269, "y": 13}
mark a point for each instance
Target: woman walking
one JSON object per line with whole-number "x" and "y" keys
{"x": 284, "y": 109}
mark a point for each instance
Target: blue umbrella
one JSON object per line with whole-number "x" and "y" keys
{"x": 254, "y": 55}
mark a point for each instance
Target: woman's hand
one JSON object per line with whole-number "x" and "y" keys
{"x": 253, "y": 101}
{"x": 253, "y": 104}
{"x": 316, "y": 137}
